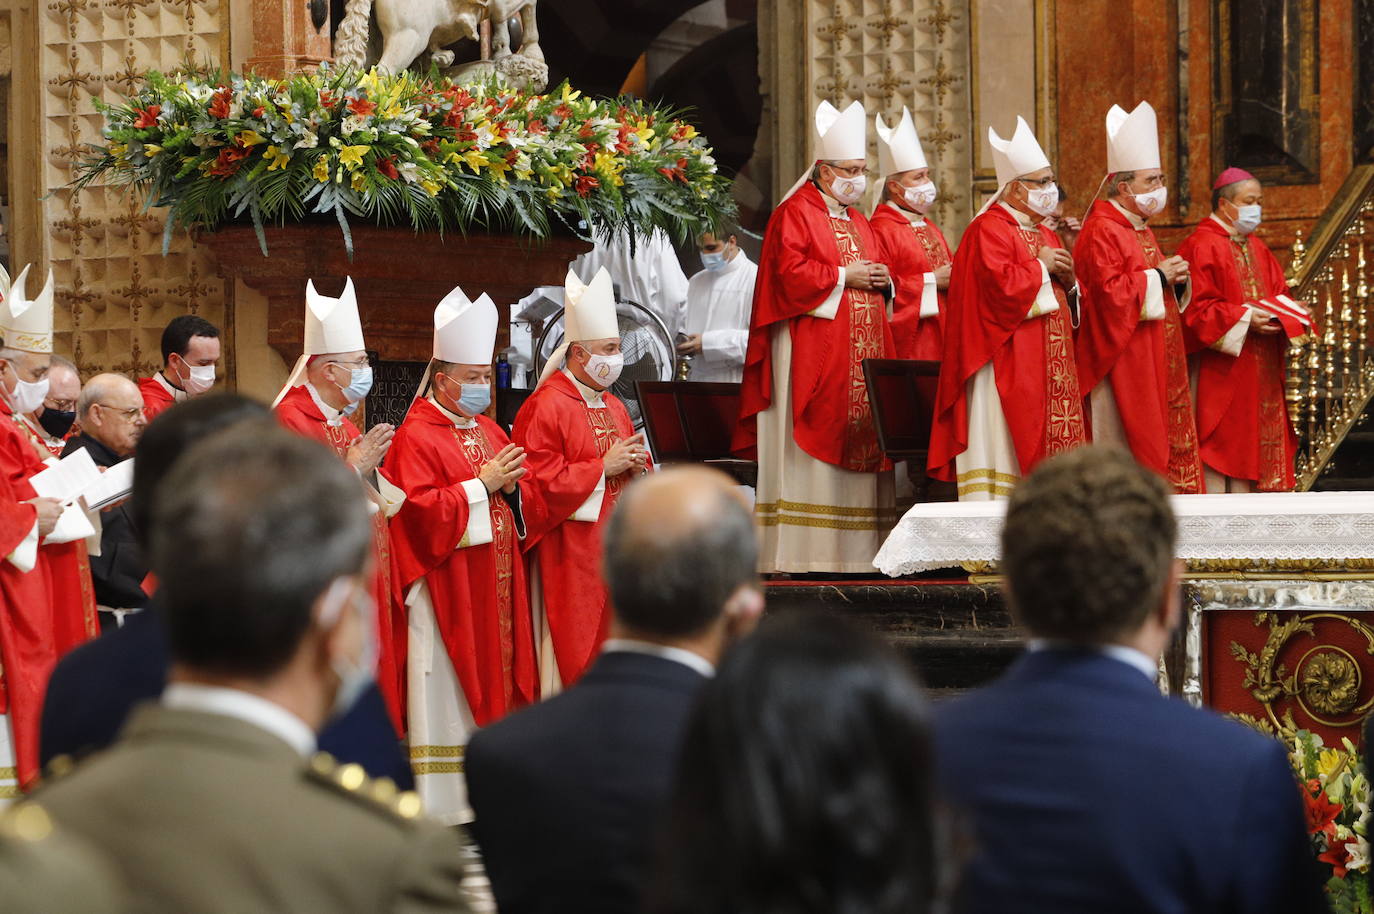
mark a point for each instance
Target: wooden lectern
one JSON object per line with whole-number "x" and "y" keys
{"x": 692, "y": 422}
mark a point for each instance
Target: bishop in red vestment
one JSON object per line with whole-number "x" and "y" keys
{"x": 582, "y": 450}
{"x": 1239, "y": 325}
{"x": 915, "y": 252}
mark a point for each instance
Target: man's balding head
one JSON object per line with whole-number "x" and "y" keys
{"x": 110, "y": 410}
{"x": 680, "y": 552}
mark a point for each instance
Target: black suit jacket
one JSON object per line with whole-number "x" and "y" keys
{"x": 119, "y": 570}
{"x": 95, "y": 687}
{"x": 1088, "y": 791}
{"x": 569, "y": 794}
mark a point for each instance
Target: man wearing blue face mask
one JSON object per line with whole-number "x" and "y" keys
{"x": 719, "y": 301}
{"x": 1238, "y": 328}
{"x": 456, "y": 541}
{"x": 329, "y": 381}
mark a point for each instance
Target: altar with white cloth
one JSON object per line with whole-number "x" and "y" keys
{"x": 1279, "y": 628}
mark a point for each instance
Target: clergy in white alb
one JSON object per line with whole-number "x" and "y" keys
{"x": 719, "y": 301}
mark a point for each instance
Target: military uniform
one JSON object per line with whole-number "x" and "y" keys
{"x": 43, "y": 871}
{"x": 203, "y": 812}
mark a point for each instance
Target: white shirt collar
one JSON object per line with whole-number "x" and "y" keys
{"x": 912, "y": 216}
{"x": 663, "y": 651}
{"x": 178, "y": 395}
{"x": 1021, "y": 218}
{"x": 1136, "y": 221}
{"x": 1120, "y": 652}
{"x": 457, "y": 420}
{"x": 837, "y": 209}
{"x": 739, "y": 260}
{"x": 1230, "y": 229}
{"x": 595, "y": 398}
{"x": 331, "y": 415}
{"x": 261, "y": 713}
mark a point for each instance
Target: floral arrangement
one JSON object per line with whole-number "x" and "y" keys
{"x": 1336, "y": 798}
{"x": 406, "y": 149}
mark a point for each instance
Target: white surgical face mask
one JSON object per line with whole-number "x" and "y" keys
{"x": 1153, "y": 202}
{"x": 355, "y": 674}
{"x": 713, "y": 260}
{"x": 1247, "y": 218}
{"x": 28, "y": 395}
{"x": 848, "y": 190}
{"x": 605, "y": 369}
{"x": 1042, "y": 200}
{"x": 197, "y": 379}
{"x": 921, "y": 196}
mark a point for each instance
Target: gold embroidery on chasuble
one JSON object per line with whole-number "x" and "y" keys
{"x": 1273, "y": 408}
{"x": 1185, "y": 463}
{"x": 866, "y": 316}
{"x": 479, "y": 452}
{"x": 603, "y": 429}
{"x": 1064, "y": 427}
{"x": 935, "y": 251}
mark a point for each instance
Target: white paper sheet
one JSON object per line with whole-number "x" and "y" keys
{"x": 113, "y": 485}
{"x": 68, "y": 478}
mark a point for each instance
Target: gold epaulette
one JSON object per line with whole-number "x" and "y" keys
{"x": 28, "y": 823}
{"x": 376, "y": 793}
{"x": 59, "y": 767}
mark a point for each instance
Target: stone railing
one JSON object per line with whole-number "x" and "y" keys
{"x": 1331, "y": 372}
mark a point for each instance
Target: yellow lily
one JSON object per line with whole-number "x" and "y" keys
{"x": 359, "y": 181}
{"x": 276, "y": 159}
{"x": 569, "y": 94}
{"x": 430, "y": 187}
{"x": 151, "y": 149}
{"x": 321, "y": 169}
{"x": 474, "y": 159}
{"x": 352, "y": 156}
{"x": 251, "y": 138}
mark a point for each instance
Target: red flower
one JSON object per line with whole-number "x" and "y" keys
{"x": 1321, "y": 812}
{"x": 536, "y": 126}
{"x": 1336, "y": 854}
{"x": 229, "y": 161}
{"x": 326, "y": 98}
{"x": 585, "y": 184}
{"x": 147, "y": 117}
{"x": 430, "y": 147}
{"x": 361, "y": 106}
{"x": 512, "y": 156}
{"x": 563, "y": 111}
{"x": 259, "y": 111}
{"x": 219, "y": 104}
{"x": 387, "y": 167}
{"x": 677, "y": 173}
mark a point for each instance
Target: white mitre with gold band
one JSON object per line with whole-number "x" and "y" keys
{"x": 588, "y": 314}
{"x": 1132, "y": 139}
{"x": 331, "y": 325}
{"x": 899, "y": 148}
{"x": 26, "y": 323}
{"x": 840, "y": 136}
{"x": 1015, "y": 157}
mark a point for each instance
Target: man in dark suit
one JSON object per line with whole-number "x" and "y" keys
{"x": 568, "y": 794}
{"x": 1087, "y": 790}
{"x": 110, "y": 410}
{"x": 94, "y": 687}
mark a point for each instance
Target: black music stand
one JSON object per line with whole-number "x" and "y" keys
{"x": 901, "y": 393}
{"x": 692, "y": 422}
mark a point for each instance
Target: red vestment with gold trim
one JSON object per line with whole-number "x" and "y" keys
{"x": 911, "y": 251}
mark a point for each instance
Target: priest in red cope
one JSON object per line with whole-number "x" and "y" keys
{"x": 326, "y": 385}
{"x": 581, "y": 451}
{"x": 1239, "y": 326}
{"x": 471, "y": 656}
{"x": 190, "y": 349}
{"x": 914, "y": 250}
{"x": 28, "y": 614}
{"x": 1008, "y": 395}
{"x": 1132, "y": 357}
{"x": 825, "y": 494}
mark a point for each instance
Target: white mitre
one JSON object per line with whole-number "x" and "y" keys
{"x": 840, "y": 136}
{"x": 899, "y": 148}
{"x": 1132, "y": 139}
{"x": 1017, "y": 156}
{"x": 588, "y": 314}
{"x": 465, "y": 331}
{"x": 26, "y": 323}
{"x": 331, "y": 325}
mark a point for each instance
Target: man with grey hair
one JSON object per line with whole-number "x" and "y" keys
{"x": 568, "y": 793}
{"x": 51, "y": 421}
{"x": 110, "y": 410}
{"x": 1132, "y": 361}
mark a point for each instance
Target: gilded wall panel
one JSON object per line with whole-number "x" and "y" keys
{"x": 115, "y": 289}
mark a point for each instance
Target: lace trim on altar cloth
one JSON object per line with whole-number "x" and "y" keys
{"x": 1261, "y": 527}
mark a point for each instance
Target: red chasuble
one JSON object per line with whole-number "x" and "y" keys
{"x": 992, "y": 287}
{"x": 297, "y": 412}
{"x": 803, "y": 249}
{"x": 565, "y": 440}
{"x": 156, "y": 399}
{"x": 69, "y": 571}
{"x": 481, "y": 604}
{"x": 1146, "y": 360}
{"x": 26, "y": 601}
{"x": 911, "y": 251}
{"x": 1242, "y": 417}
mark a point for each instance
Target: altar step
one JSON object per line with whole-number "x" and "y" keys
{"x": 959, "y": 635}
{"x": 1351, "y": 468}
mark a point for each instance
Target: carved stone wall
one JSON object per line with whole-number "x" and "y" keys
{"x": 115, "y": 290}
{"x": 885, "y": 53}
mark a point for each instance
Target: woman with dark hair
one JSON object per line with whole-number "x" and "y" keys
{"x": 805, "y": 784}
